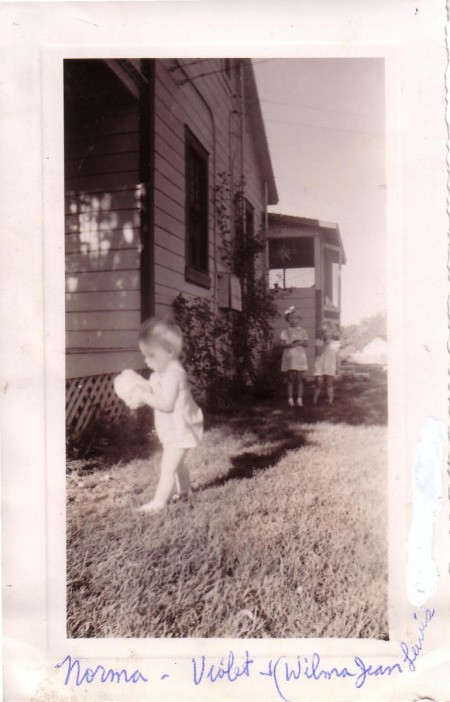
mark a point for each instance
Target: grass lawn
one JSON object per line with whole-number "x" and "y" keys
{"x": 286, "y": 536}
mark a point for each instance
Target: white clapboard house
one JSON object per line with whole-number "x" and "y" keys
{"x": 145, "y": 142}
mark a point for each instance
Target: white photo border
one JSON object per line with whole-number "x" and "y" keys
{"x": 42, "y": 643}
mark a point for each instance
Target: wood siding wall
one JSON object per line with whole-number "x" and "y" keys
{"x": 102, "y": 239}
{"x": 210, "y": 105}
{"x": 103, "y": 198}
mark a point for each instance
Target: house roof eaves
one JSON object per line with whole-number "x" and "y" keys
{"x": 255, "y": 116}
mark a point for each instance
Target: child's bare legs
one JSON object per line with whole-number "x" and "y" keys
{"x": 183, "y": 480}
{"x": 171, "y": 463}
{"x": 300, "y": 375}
{"x": 290, "y": 387}
{"x": 318, "y": 388}
{"x": 295, "y": 388}
{"x": 330, "y": 389}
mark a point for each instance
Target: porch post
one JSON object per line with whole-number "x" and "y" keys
{"x": 318, "y": 280}
{"x": 339, "y": 285}
{"x": 147, "y": 136}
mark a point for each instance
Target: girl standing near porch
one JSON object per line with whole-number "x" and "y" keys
{"x": 325, "y": 365}
{"x": 178, "y": 419}
{"x": 294, "y": 340}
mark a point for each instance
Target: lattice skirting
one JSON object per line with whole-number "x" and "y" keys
{"x": 87, "y": 397}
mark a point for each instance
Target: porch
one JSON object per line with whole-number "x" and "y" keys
{"x": 305, "y": 259}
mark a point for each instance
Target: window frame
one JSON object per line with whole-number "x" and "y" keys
{"x": 194, "y": 272}
{"x": 249, "y": 214}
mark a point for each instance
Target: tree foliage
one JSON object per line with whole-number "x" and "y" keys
{"x": 356, "y": 336}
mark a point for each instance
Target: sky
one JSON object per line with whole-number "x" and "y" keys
{"x": 325, "y": 125}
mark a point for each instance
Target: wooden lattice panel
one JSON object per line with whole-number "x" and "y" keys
{"x": 87, "y": 397}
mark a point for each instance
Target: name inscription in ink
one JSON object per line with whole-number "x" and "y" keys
{"x": 282, "y": 670}
{"x": 76, "y": 673}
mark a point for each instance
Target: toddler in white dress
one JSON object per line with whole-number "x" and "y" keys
{"x": 178, "y": 419}
{"x": 325, "y": 365}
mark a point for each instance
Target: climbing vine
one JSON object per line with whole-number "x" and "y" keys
{"x": 232, "y": 350}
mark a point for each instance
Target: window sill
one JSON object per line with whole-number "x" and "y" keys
{"x": 200, "y": 278}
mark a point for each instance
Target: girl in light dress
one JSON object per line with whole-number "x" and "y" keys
{"x": 294, "y": 340}
{"x": 178, "y": 419}
{"x": 325, "y": 364}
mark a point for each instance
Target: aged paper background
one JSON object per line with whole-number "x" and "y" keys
{"x": 34, "y": 38}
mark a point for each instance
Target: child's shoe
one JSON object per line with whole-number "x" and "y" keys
{"x": 291, "y": 402}
{"x": 299, "y": 402}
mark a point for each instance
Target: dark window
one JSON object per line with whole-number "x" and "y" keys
{"x": 291, "y": 252}
{"x": 291, "y": 262}
{"x": 197, "y": 248}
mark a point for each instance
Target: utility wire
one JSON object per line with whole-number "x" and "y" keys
{"x": 313, "y": 109}
{"x": 274, "y": 102}
{"x": 192, "y": 63}
{"x": 275, "y": 121}
{"x": 218, "y": 70}
{"x": 314, "y": 125}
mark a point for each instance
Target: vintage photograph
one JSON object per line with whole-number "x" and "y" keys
{"x": 226, "y": 348}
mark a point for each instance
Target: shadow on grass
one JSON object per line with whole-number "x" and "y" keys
{"x": 248, "y": 464}
{"x": 106, "y": 441}
{"x": 358, "y": 402}
{"x": 130, "y": 437}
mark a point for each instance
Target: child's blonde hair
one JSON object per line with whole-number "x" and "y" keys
{"x": 162, "y": 332}
{"x": 331, "y": 328}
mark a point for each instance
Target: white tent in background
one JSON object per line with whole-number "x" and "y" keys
{"x": 374, "y": 352}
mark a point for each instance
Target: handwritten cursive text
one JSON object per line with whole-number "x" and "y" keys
{"x": 283, "y": 671}
{"x": 226, "y": 669}
{"x": 77, "y": 674}
{"x": 410, "y": 653}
